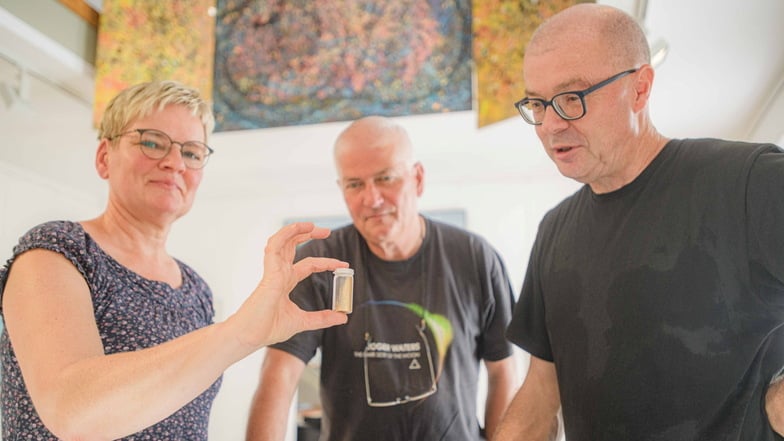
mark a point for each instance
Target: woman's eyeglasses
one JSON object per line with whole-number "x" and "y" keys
{"x": 155, "y": 144}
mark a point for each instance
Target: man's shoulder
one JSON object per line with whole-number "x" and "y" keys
{"x": 720, "y": 148}
{"x": 454, "y": 236}
{"x": 448, "y": 228}
{"x": 720, "y": 159}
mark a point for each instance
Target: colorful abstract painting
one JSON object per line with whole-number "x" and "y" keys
{"x": 501, "y": 30}
{"x": 144, "y": 40}
{"x": 282, "y": 63}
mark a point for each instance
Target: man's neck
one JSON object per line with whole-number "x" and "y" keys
{"x": 646, "y": 151}
{"x": 405, "y": 247}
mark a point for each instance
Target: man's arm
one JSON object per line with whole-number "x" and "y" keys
{"x": 774, "y": 405}
{"x": 501, "y": 386}
{"x": 533, "y": 413}
{"x": 269, "y": 411}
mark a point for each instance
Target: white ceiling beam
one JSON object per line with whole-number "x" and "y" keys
{"x": 37, "y": 54}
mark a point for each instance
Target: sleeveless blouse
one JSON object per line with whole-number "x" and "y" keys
{"x": 131, "y": 312}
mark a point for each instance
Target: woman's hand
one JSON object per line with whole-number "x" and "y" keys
{"x": 269, "y": 316}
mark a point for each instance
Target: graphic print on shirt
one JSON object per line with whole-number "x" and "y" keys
{"x": 404, "y": 350}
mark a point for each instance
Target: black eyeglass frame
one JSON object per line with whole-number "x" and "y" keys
{"x": 141, "y": 132}
{"x": 579, "y": 93}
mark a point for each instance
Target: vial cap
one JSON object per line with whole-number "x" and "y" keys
{"x": 344, "y": 272}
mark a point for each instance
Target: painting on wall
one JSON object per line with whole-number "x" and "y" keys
{"x": 282, "y": 63}
{"x": 501, "y": 30}
{"x": 144, "y": 40}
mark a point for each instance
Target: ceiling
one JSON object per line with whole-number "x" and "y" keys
{"x": 722, "y": 77}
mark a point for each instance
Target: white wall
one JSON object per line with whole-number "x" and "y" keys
{"x": 28, "y": 199}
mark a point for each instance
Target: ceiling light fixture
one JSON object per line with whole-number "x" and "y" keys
{"x": 659, "y": 50}
{"x": 11, "y": 94}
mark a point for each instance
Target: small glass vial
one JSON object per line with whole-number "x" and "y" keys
{"x": 343, "y": 290}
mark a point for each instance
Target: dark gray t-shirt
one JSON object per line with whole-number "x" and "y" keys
{"x": 131, "y": 313}
{"x": 661, "y": 303}
{"x": 417, "y": 333}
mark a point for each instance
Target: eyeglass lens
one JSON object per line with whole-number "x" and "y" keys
{"x": 567, "y": 105}
{"x": 156, "y": 145}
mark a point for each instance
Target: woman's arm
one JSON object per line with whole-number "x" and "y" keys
{"x": 80, "y": 393}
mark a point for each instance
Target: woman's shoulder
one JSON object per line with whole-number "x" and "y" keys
{"x": 57, "y": 228}
{"x": 53, "y": 235}
{"x": 63, "y": 237}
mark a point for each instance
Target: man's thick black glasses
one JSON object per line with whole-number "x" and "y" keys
{"x": 568, "y": 105}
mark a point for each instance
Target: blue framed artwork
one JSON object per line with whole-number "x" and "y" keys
{"x": 282, "y": 63}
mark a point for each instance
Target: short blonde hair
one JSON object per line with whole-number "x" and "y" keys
{"x": 143, "y": 99}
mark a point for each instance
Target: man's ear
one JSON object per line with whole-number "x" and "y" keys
{"x": 420, "y": 177}
{"x": 102, "y": 158}
{"x": 642, "y": 87}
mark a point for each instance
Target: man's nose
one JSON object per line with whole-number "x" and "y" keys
{"x": 552, "y": 121}
{"x": 371, "y": 196}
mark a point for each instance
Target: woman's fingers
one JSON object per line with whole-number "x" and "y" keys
{"x": 310, "y": 265}
{"x": 295, "y": 234}
{"x": 323, "y": 319}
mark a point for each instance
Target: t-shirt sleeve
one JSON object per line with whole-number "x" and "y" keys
{"x": 765, "y": 212}
{"x": 528, "y": 328}
{"x": 498, "y": 310}
{"x": 57, "y": 236}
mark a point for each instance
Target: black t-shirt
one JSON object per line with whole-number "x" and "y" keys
{"x": 416, "y": 335}
{"x": 661, "y": 303}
